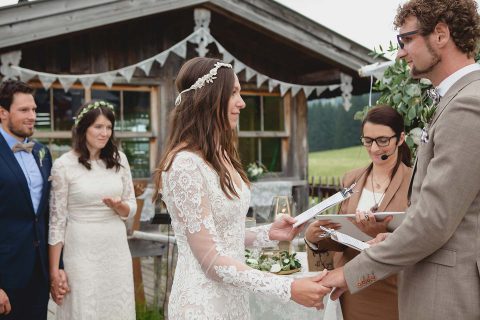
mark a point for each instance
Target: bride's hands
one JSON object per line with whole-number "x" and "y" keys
{"x": 309, "y": 292}
{"x": 283, "y": 230}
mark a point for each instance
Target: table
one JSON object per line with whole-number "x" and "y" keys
{"x": 269, "y": 308}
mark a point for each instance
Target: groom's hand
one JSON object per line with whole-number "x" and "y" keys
{"x": 5, "y": 306}
{"x": 309, "y": 292}
{"x": 59, "y": 286}
{"x": 335, "y": 279}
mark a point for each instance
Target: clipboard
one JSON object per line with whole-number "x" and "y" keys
{"x": 338, "y": 197}
{"x": 344, "y": 239}
{"x": 350, "y": 229}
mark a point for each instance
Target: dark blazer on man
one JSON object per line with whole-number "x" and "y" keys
{"x": 23, "y": 234}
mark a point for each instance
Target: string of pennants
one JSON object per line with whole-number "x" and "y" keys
{"x": 201, "y": 36}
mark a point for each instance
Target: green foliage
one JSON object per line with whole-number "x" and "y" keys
{"x": 148, "y": 313}
{"x": 408, "y": 96}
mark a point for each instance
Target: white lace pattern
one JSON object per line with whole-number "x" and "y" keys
{"x": 96, "y": 256}
{"x": 211, "y": 280}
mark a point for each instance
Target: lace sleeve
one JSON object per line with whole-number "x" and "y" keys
{"x": 58, "y": 204}
{"x": 191, "y": 212}
{"x": 257, "y": 237}
{"x": 128, "y": 193}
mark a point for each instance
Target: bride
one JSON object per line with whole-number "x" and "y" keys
{"x": 202, "y": 182}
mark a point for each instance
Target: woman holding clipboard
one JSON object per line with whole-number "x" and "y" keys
{"x": 381, "y": 186}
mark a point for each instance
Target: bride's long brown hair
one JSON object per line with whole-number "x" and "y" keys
{"x": 200, "y": 124}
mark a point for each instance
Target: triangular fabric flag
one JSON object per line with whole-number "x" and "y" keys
{"x": 46, "y": 79}
{"x": 180, "y": 49}
{"x": 249, "y": 73}
{"x": 227, "y": 57}
{"x": 295, "y": 89}
{"x": 220, "y": 48}
{"x": 320, "y": 90}
{"x": 308, "y": 90}
{"x": 284, "y": 87}
{"x": 333, "y": 87}
{"x": 127, "y": 72}
{"x": 67, "y": 81}
{"x": 108, "y": 78}
{"x": 161, "y": 57}
{"x": 87, "y": 80}
{"x": 26, "y": 74}
{"x": 261, "y": 79}
{"x": 238, "y": 66}
{"x": 272, "y": 84}
{"x": 146, "y": 65}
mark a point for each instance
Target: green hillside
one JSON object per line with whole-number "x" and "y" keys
{"x": 334, "y": 163}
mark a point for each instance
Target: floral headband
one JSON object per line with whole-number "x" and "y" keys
{"x": 91, "y": 107}
{"x": 208, "y": 78}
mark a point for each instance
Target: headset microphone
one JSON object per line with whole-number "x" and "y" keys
{"x": 385, "y": 156}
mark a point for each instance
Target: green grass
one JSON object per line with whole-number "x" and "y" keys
{"x": 335, "y": 163}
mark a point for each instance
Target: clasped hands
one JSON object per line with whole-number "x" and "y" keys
{"x": 59, "y": 286}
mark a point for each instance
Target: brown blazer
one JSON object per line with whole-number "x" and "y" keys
{"x": 438, "y": 244}
{"x": 380, "y": 300}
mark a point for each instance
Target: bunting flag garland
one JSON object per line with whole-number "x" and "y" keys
{"x": 201, "y": 36}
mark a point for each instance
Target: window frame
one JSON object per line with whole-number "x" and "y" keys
{"x": 284, "y": 135}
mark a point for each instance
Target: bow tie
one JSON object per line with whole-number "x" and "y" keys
{"x": 434, "y": 95}
{"x": 27, "y": 147}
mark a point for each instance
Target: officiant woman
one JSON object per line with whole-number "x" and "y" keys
{"x": 381, "y": 186}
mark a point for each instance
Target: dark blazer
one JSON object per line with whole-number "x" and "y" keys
{"x": 22, "y": 233}
{"x": 438, "y": 244}
{"x": 379, "y": 301}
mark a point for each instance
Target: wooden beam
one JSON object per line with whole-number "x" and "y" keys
{"x": 320, "y": 77}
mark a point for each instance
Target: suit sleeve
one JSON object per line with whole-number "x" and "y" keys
{"x": 451, "y": 183}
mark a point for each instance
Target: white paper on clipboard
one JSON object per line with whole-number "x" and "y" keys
{"x": 350, "y": 229}
{"x": 324, "y": 205}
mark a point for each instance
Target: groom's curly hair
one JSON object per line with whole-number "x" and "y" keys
{"x": 460, "y": 16}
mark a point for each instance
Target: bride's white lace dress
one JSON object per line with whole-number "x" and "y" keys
{"x": 96, "y": 256}
{"x": 211, "y": 280}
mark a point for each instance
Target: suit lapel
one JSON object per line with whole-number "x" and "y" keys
{"x": 12, "y": 163}
{"x": 453, "y": 91}
{"x": 42, "y": 166}
{"x": 392, "y": 188}
{"x": 354, "y": 199}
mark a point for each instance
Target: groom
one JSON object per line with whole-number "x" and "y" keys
{"x": 24, "y": 191}
{"x": 438, "y": 244}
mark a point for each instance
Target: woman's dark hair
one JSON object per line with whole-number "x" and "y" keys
{"x": 388, "y": 116}
{"x": 200, "y": 123}
{"x": 109, "y": 154}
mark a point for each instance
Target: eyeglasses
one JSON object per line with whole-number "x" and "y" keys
{"x": 380, "y": 141}
{"x": 401, "y": 44}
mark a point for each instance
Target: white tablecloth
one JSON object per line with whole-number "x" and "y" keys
{"x": 262, "y": 196}
{"x": 267, "y": 308}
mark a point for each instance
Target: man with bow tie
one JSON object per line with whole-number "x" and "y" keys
{"x": 24, "y": 191}
{"x": 437, "y": 247}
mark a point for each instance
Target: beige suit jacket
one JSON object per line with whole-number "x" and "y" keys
{"x": 365, "y": 306}
{"x": 438, "y": 244}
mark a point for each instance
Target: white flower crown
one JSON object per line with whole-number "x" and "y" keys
{"x": 208, "y": 78}
{"x": 91, "y": 107}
